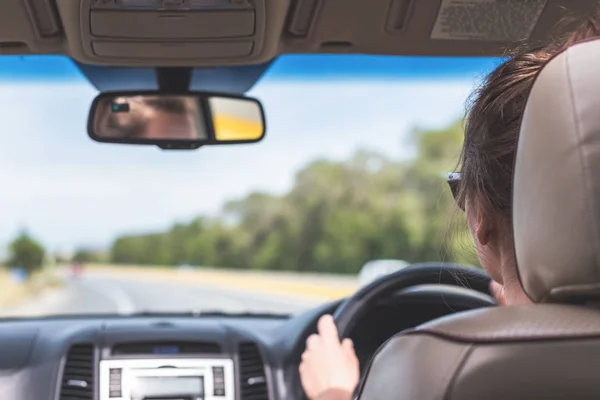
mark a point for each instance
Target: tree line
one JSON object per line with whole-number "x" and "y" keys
{"x": 336, "y": 216}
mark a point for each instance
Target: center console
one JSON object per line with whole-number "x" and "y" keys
{"x": 167, "y": 379}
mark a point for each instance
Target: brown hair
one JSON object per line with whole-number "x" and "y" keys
{"x": 493, "y": 121}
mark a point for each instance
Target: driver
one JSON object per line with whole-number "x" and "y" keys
{"x": 329, "y": 369}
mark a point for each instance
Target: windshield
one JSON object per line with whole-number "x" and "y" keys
{"x": 351, "y": 171}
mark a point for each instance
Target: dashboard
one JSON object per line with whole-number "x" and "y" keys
{"x": 209, "y": 357}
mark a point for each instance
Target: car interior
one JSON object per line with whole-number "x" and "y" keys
{"x": 455, "y": 343}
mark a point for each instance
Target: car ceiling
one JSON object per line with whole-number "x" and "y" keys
{"x": 231, "y": 43}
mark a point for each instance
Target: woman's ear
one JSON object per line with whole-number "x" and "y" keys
{"x": 483, "y": 224}
{"x": 483, "y": 231}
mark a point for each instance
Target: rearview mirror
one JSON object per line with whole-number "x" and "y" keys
{"x": 175, "y": 121}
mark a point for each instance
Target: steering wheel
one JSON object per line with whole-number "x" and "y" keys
{"x": 351, "y": 310}
{"x": 355, "y": 307}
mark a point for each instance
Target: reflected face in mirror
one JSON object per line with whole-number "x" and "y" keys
{"x": 236, "y": 119}
{"x": 151, "y": 118}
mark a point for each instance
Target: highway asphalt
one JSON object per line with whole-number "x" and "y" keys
{"x": 103, "y": 293}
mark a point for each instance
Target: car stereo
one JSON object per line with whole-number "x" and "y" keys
{"x": 161, "y": 379}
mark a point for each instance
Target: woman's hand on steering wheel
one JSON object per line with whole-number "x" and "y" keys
{"x": 329, "y": 368}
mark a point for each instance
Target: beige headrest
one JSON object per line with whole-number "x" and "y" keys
{"x": 556, "y": 199}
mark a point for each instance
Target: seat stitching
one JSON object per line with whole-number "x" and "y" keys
{"x": 567, "y": 336}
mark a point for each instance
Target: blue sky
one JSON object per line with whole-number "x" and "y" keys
{"x": 312, "y": 67}
{"x": 70, "y": 191}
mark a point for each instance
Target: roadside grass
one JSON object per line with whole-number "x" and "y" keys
{"x": 10, "y": 291}
{"x": 13, "y": 293}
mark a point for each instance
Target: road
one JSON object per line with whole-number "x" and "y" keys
{"x": 107, "y": 293}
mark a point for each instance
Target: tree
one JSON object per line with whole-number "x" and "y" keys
{"x": 84, "y": 255}
{"x": 336, "y": 216}
{"x": 26, "y": 253}
{"x": 444, "y": 234}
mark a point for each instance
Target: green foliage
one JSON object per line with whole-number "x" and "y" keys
{"x": 87, "y": 256}
{"x": 26, "y": 253}
{"x": 337, "y": 216}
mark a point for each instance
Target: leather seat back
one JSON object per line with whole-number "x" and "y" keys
{"x": 530, "y": 352}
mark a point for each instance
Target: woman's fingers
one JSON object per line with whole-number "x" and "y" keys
{"x": 312, "y": 342}
{"x": 348, "y": 345}
{"x": 328, "y": 364}
{"x": 305, "y": 355}
{"x": 348, "y": 348}
{"x": 327, "y": 329}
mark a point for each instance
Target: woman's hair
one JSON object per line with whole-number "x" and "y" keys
{"x": 493, "y": 121}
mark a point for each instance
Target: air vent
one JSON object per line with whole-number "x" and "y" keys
{"x": 252, "y": 373}
{"x": 141, "y": 348}
{"x": 78, "y": 374}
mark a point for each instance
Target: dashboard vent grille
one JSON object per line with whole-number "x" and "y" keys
{"x": 78, "y": 375}
{"x": 252, "y": 373}
{"x": 166, "y": 348}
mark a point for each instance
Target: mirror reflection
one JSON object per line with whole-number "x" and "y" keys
{"x": 236, "y": 119}
{"x": 151, "y": 117}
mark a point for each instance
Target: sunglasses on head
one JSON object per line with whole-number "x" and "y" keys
{"x": 453, "y": 180}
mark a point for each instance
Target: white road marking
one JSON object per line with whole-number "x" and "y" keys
{"x": 115, "y": 293}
